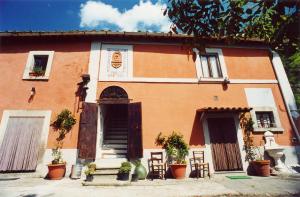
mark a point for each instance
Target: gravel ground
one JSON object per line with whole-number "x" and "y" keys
{"x": 219, "y": 185}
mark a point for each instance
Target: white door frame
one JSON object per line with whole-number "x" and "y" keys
{"x": 99, "y": 143}
{"x": 239, "y": 133}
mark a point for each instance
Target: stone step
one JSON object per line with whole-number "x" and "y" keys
{"x": 109, "y": 163}
{"x": 115, "y": 141}
{"x": 116, "y": 137}
{"x": 106, "y": 171}
{"x": 115, "y": 146}
{"x": 115, "y": 128}
{"x": 107, "y": 183}
{"x": 115, "y": 133}
{"x": 105, "y": 176}
{"x": 114, "y": 156}
{"x": 113, "y": 151}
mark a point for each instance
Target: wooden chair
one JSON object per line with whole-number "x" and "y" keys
{"x": 156, "y": 165}
{"x": 198, "y": 163}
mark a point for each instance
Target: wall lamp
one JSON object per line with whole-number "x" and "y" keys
{"x": 32, "y": 92}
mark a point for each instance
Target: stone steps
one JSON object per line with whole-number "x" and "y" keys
{"x": 106, "y": 173}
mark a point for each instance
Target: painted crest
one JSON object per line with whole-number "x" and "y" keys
{"x": 116, "y": 59}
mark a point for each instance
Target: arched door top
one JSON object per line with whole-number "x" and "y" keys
{"x": 114, "y": 94}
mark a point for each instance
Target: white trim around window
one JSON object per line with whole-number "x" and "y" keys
{"x": 30, "y": 64}
{"x": 273, "y": 110}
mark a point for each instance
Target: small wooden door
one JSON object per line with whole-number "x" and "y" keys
{"x": 224, "y": 144}
{"x": 135, "y": 141}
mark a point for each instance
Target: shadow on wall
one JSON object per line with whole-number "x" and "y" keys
{"x": 197, "y": 135}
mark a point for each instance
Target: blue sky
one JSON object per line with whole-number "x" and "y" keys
{"x": 51, "y": 15}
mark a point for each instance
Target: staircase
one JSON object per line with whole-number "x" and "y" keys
{"x": 115, "y": 138}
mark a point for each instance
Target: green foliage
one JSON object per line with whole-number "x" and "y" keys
{"x": 38, "y": 70}
{"x": 175, "y": 146}
{"x": 252, "y": 152}
{"x": 90, "y": 169}
{"x": 125, "y": 167}
{"x": 63, "y": 124}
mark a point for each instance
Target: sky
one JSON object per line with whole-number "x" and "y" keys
{"x": 63, "y": 15}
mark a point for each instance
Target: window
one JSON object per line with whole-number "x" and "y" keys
{"x": 210, "y": 66}
{"x": 38, "y": 65}
{"x": 264, "y": 113}
{"x": 265, "y": 119}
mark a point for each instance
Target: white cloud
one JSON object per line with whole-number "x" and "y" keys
{"x": 143, "y": 16}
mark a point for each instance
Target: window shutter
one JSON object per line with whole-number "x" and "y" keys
{"x": 88, "y": 131}
{"x": 135, "y": 141}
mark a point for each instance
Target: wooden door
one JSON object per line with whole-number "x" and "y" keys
{"x": 88, "y": 131}
{"x": 135, "y": 141}
{"x": 20, "y": 145}
{"x": 224, "y": 144}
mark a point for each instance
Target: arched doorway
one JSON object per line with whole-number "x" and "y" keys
{"x": 114, "y": 118}
{"x": 121, "y": 125}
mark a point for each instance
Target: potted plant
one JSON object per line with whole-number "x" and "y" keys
{"x": 91, "y": 168}
{"x": 258, "y": 166}
{"x": 37, "y": 71}
{"x": 124, "y": 171}
{"x": 177, "y": 150}
{"x": 63, "y": 124}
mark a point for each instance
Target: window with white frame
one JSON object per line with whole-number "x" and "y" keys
{"x": 38, "y": 65}
{"x": 210, "y": 65}
{"x": 265, "y": 119}
{"x": 264, "y": 113}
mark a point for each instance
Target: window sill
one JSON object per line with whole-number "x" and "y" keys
{"x": 213, "y": 80}
{"x": 262, "y": 130}
{"x": 38, "y": 78}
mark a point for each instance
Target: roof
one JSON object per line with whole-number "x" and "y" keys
{"x": 121, "y": 34}
{"x": 225, "y": 109}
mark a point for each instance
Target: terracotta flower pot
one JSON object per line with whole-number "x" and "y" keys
{"x": 261, "y": 167}
{"x": 56, "y": 171}
{"x": 178, "y": 170}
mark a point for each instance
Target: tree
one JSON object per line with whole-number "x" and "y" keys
{"x": 274, "y": 21}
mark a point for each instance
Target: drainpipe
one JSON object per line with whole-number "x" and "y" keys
{"x": 286, "y": 90}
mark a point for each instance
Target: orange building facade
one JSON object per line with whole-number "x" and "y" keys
{"x": 138, "y": 86}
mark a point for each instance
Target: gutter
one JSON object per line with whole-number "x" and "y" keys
{"x": 286, "y": 90}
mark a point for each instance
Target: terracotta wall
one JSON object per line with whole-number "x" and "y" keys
{"x": 69, "y": 62}
{"x": 172, "y": 107}
{"x": 248, "y": 64}
{"x": 163, "y": 61}
{"x": 166, "y": 107}
{"x": 175, "y": 61}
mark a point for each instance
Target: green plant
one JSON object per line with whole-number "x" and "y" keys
{"x": 252, "y": 152}
{"x": 90, "y": 169}
{"x": 38, "y": 70}
{"x": 175, "y": 147}
{"x": 125, "y": 167}
{"x": 63, "y": 124}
